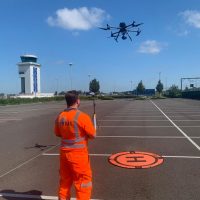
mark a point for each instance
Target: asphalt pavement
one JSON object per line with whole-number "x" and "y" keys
{"x": 170, "y": 128}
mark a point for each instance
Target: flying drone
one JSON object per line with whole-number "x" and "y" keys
{"x": 123, "y": 30}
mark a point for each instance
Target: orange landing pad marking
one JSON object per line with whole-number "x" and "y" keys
{"x": 135, "y": 160}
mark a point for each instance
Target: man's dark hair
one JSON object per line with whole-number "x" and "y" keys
{"x": 71, "y": 97}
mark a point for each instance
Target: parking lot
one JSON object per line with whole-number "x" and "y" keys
{"x": 170, "y": 128}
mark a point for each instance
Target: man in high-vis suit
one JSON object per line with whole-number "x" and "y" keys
{"x": 74, "y": 128}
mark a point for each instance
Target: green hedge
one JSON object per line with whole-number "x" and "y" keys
{"x": 123, "y": 96}
{"x": 191, "y": 94}
{"x": 13, "y": 101}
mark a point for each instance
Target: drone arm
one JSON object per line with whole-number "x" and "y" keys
{"x": 130, "y": 25}
{"x": 113, "y": 34}
{"x": 132, "y": 31}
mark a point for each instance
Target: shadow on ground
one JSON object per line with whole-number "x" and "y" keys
{"x": 13, "y": 195}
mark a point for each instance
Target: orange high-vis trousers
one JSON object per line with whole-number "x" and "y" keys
{"x": 75, "y": 169}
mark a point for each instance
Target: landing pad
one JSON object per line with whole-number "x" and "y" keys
{"x": 135, "y": 160}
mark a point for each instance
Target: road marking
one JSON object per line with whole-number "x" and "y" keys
{"x": 131, "y": 120}
{"x": 140, "y": 136}
{"x": 147, "y": 126}
{"x": 137, "y": 126}
{"x": 26, "y": 162}
{"x": 189, "y": 126}
{"x": 187, "y": 120}
{"x": 148, "y": 120}
{"x": 8, "y": 112}
{"x": 187, "y": 157}
{"x": 10, "y": 119}
{"x": 194, "y": 143}
{"x": 106, "y": 155}
{"x": 57, "y": 154}
{"x": 135, "y": 116}
{"x": 29, "y": 196}
{"x": 146, "y": 116}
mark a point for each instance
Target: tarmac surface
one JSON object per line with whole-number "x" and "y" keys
{"x": 29, "y": 151}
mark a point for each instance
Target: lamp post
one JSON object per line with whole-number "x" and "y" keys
{"x": 57, "y": 85}
{"x": 131, "y": 85}
{"x": 70, "y": 76}
{"x": 159, "y": 75}
{"x": 89, "y": 75}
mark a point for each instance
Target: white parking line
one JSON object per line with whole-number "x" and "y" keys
{"x": 132, "y": 120}
{"x": 106, "y": 155}
{"x": 7, "y": 112}
{"x": 134, "y": 116}
{"x": 168, "y": 112}
{"x": 194, "y": 143}
{"x": 186, "y": 120}
{"x": 151, "y": 116}
{"x": 145, "y": 137}
{"x": 26, "y": 162}
{"x": 147, "y": 126}
{"x": 29, "y": 196}
{"x": 137, "y": 126}
{"x": 10, "y": 119}
{"x": 189, "y": 126}
{"x": 187, "y": 157}
{"x": 148, "y": 120}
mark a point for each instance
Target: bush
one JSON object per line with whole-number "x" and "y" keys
{"x": 14, "y": 101}
{"x": 123, "y": 96}
{"x": 106, "y": 98}
{"x": 141, "y": 98}
{"x": 158, "y": 97}
{"x": 173, "y": 92}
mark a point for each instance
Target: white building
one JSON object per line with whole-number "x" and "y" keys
{"x": 29, "y": 73}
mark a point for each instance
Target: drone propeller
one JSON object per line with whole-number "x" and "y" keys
{"x": 138, "y": 32}
{"x": 116, "y": 39}
{"x": 136, "y": 25}
{"x": 107, "y": 28}
{"x": 133, "y": 23}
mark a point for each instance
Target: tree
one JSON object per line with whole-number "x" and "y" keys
{"x": 94, "y": 86}
{"x": 140, "y": 88}
{"x": 62, "y": 93}
{"x": 159, "y": 87}
{"x": 174, "y": 91}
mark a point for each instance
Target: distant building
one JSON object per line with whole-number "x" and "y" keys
{"x": 147, "y": 92}
{"x": 29, "y": 73}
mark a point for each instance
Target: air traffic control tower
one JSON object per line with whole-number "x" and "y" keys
{"x": 29, "y": 73}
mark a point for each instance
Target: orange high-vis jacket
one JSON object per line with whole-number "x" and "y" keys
{"x": 74, "y": 127}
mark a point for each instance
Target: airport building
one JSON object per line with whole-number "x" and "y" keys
{"x": 29, "y": 73}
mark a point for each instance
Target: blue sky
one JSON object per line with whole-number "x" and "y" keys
{"x": 64, "y": 31}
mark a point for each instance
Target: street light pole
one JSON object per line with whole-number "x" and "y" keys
{"x": 70, "y": 76}
{"x": 159, "y": 75}
{"x": 89, "y": 75}
{"x": 131, "y": 85}
{"x": 57, "y": 85}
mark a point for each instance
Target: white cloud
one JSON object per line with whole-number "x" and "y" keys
{"x": 151, "y": 47}
{"x": 191, "y": 17}
{"x": 78, "y": 19}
